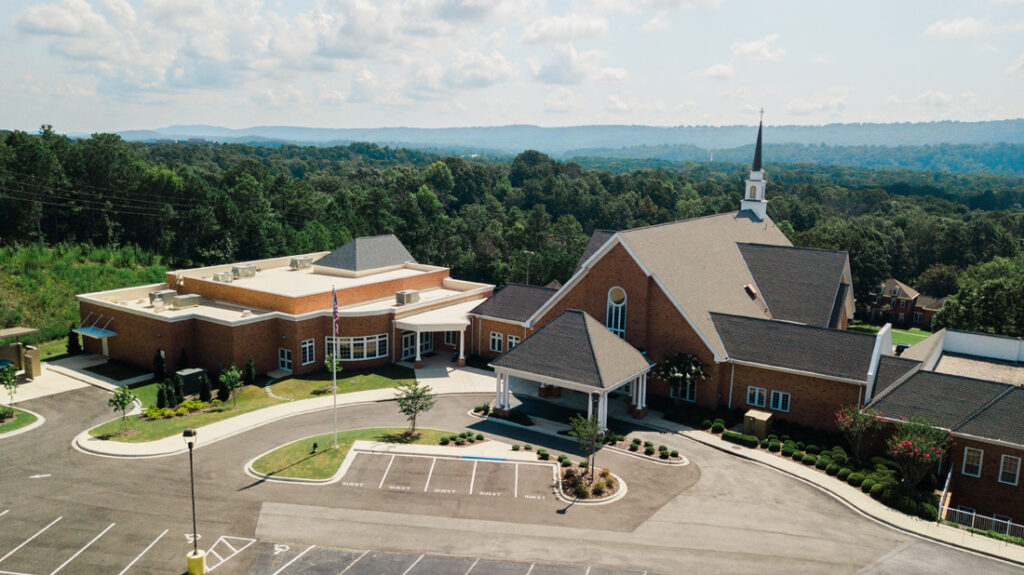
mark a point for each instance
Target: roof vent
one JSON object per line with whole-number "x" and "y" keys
{"x": 246, "y": 313}
{"x": 187, "y": 300}
{"x": 751, "y": 291}
{"x": 301, "y": 262}
{"x": 243, "y": 270}
{"x": 406, "y": 297}
{"x": 223, "y": 277}
{"x": 164, "y": 294}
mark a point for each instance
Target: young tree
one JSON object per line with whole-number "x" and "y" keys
{"x": 74, "y": 346}
{"x": 681, "y": 371}
{"x": 9, "y": 379}
{"x": 331, "y": 363}
{"x": 413, "y": 399}
{"x": 121, "y": 401}
{"x": 159, "y": 366}
{"x": 588, "y": 435}
{"x": 230, "y": 380}
{"x": 250, "y": 371}
{"x": 179, "y": 389}
{"x": 916, "y": 447}
{"x": 205, "y": 390}
{"x": 161, "y": 396}
{"x": 859, "y": 427}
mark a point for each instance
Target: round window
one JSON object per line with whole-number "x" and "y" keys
{"x": 617, "y": 295}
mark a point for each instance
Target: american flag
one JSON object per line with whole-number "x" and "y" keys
{"x": 335, "y": 294}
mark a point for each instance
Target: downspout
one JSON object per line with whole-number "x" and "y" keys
{"x": 732, "y": 376}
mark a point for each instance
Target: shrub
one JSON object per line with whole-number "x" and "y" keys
{"x": 470, "y": 439}
{"x": 674, "y": 453}
{"x": 855, "y": 479}
{"x": 181, "y": 411}
{"x": 648, "y": 451}
{"x": 515, "y": 447}
{"x": 542, "y": 454}
{"x": 843, "y": 474}
{"x": 648, "y": 444}
{"x": 453, "y": 438}
{"x": 465, "y": 434}
{"x": 634, "y": 447}
{"x": 884, "y": 462}
{"x": 812, "y": 449}
{"x": 772, "y": 437}
{"x": 809, "y": 459}
{"x": 867, "y": 485}
{"x": 662, "y": 448}
{"x": 789, "y": 443}
{"x": 584, "y": 464}
{"x": 787, "y": 451}
{"x": 798, "y": 455}
{"x": 528, "y": 447}
{"x": 718, "y": 428}
{"x": 582, "y": 491}
{"x": 825, "y": 453}
{"x": 216, "y": 403}
{"x": 566, "y": 462}
{"x": 764, "y": 444}
{"x": 598, "y": 489}
{"x": 479, "y": 437}
{"x": 800, "y": 445}
{"x": 663, "y": 455}
{"x": 746, "y": 440}
{"x": 445, "y": 441}
{"x": 152, "y": 412}
{"x": 823, "y": 462}
{"x": 878, "y": 489}
{"x": 636, "y": 440}
{"x": 839, "y": 458}
{"x": 774, "y": 446}
{"x": 705, "y": 424}
{"x": 605, "y": 472}
{"x": 927, "y": 511}
{"x": 833, "y": 469}
{"x": 460, "y": 441}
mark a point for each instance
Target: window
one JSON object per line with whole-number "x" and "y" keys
{"x": 895, "y": 292}
{"x": 753, "y": 192}
{"x": 1001, "y": 523}
{"x": 686, "y": 392}
{"x": 755, "y": 396}
{"x": 878, "y": 299}
{"x": 972, "y": 462}
{"x": 495, "y": 341}
{"x": 1009, "y": 470}
{"x": 358, "y": 348}
{"x": 615, "y": 314}
{"x": 903, "y": 304}
{"x": 901, "y": 318}
{"x": 780, "y": 401}
{"x": 451, "y": 338}
{"x": 308, "y": 351}
{"x": 918, "y": 317}
{"x": 513, "y": 340}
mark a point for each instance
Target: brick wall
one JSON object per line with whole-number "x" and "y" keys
{"x": 483, "y": 327}
{"x": 138, "y": 338}
{"x": 813, "y": 401}
{"x": 986, "y": 494}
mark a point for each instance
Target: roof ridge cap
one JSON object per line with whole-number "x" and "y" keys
{"x": 1009, "y": 388}
{"x": 590, "y": 344}
{"x": 792, "y": 323}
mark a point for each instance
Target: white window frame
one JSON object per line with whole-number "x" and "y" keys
{"x": 903, "y": 304}
{"x": 307, "y": 347}
{"x": 760, "y": 395}
{"x": 901, "y": 318}
{"x": 513, "y": 341}
{"x": 981, "y": 457}
{"x": 1003, "y": 467}
{"x": 496, "y": 341}
{"x": 284, "y": 358}
{"x": 615, "y": 313}
{"x": 776, "y": 401}
{"x": 348, "y": 346}
{"x": 451, "y": 338}
{"x": 918, "y": 317}
{"x": 689, "y": 392}
{"x": 895, "y": 292}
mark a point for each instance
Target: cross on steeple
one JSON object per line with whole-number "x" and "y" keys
{"x": 762, "y": 115}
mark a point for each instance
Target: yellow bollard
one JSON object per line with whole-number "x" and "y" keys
{"x": 197, "y": 563}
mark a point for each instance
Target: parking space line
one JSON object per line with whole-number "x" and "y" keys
{"x": 430, "y": 474}
{"x": 144, "y": 551}
{"x": 386, "y": 472}
{"x": 588, "y": 570}
{"x": 294, "y": 559}
{"x": 79, "y": 552}
{"x": 473, "y": 480}
{"x": 13, "y": 573}
{"x": 472, "y": 566}
{"x": 357, "y": 558}
{"x": 4, "y": 513}
{"x": 228, "y": 545}
{"x": 406, "y": 572}
{"x": 530, "y": 570}
{"x": 215, "y": 554}
{"x": 38, "y": 533}
{"x": 515, "y": 491}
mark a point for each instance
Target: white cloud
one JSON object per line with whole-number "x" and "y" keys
{"x": 68, "y": 18}
{"x": 75, "y": 91}
{"x": 822, "y": 59}
{"x": 659, "y": 23}
{"x": 364, "y": 84}
{"x": 1017, "y": 67}
{"x": 617, "y": 105}
{"x": 476, "y": 70}
{"x": 635, "y": 6}
{"x": 121, "y": 10}
{"x": 716, "y": 72}
{"x": 986, "y": 48}
{"x": 560, "y": 100}
{"x": 934, "y": 99}
{"x": 806, "y": 106}
{"x": 759, "y": 50}
{"x": 565, "y": 28}
{"x": 567, "y": 66}
{"x": 279, "y": 96}
{"x": 955, "y": 28}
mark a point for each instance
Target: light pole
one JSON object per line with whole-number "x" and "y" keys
{"x": 527, "y": 253}
{"x": 196, "y": 559}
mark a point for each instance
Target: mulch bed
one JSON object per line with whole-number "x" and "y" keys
{"x": 574, "y": 477}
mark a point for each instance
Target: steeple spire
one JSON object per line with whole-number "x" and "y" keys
{"x": 753, "y": 196}
{"x": 757, "y": 149}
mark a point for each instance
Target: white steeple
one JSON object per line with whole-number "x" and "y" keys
{"x": 753, "y": 194}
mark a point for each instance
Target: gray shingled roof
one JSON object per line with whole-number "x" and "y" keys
{"x": 1001, "y": 420}
{"x": 515, "y": 302}
{"x": 931, "y": 302}
{"x": 946, "y": 400}
{"x": 798, "y": 284}
{"x": 830, "y": 352}
{"x": 369, "y": 253}
{"x": 905, "y": 291}
{"x": 597, "y": 239}
{"x": 890, "y": 370}
{"x": 577, "y": 348}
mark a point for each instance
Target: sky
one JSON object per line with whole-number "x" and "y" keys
{"x": 110, "y": 65}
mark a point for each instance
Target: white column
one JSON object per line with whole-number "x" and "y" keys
{"x": 462, "y": 343}
{"x": 634, "y": 389}
{"x": 643, "y": 391}
{"x": 417, "y": 345}
{"x": 590, "y": 406}
{"x": 497, "y": 390}
{"x": 508, "y": 399}
{"x": 602, "y": 411}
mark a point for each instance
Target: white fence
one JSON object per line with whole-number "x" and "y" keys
{"x": 983, "y": 523}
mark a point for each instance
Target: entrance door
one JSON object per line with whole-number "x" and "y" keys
{"x": 426, "y": 342}
{"x": 284, "y": 359}
{"x": 409, "y": 345}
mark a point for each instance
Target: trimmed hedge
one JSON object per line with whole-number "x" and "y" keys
{"x": 798, "y": 455}
{"x": 855, "y": 479}
{"x": 774, "y": 446}
{"x": 867, "y": 485}
{"x": 823, "y": 463}
{"x": 843, "y": 473}
{"x": 745, "y": 440}
{"x": 809, "y": 459}
{"x": 833, "y": 469}
{"x": 718, "y": 428}
{"x": 787, "y": 451}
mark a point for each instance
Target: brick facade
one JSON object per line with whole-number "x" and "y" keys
{"x": 813, "y": 401}
{"x": 985, "y": 494}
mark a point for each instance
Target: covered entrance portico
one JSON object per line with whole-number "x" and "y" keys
{"x": 574, "y": 351}
{"x": 419, "y": 326}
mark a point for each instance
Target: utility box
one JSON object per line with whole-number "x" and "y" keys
{"x": 192, "y": 378}
{"x": 243, "y": 271}
{"x": 301, "y": 262}
{"x": 223, "y": 277}
{"x": 406, "y": 297}
{"x": 32, "y": 364}
{"x": 187, "y": 300}
{"x": 757, "y": 422}
{"x": 163, "y": 295}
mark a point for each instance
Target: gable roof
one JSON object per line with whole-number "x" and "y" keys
{"x": 931, "y": 302}
{"x": 1000, "y": 420}
{"x": 597, "y": 239}
{"x": 892, "y": 369}
{"x": 575, "y": 347}
{"x": 368, "y": 253}
{"x": 905, "y": 291}
{"x": 828, "y": 352}
{"x": 798, "y": 284}
{"x": 946, "y": 400}
{"x": 515, "y": 302}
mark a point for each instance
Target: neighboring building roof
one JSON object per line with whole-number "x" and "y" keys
{"x": 798, "y": 284}
{"x": 553, "y": 284}
{"x": 597, "y": 239}
{"x": 930, "y": 302}
{"x": 368, "y": 253}
{"x": 905, "y": 291}
{"x": 891, "y": 370}
{"x": 1000, "y": 420}
{"x": 946, "y": 400}
{"x": 577, "y": 348}
{"x": 515, "y": 302}
{"x": 830, "y": 352}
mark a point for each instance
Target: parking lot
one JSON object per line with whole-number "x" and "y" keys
{"x": 449, "y": 476}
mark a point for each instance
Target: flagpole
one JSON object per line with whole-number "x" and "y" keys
{"x": 334, "y": 364}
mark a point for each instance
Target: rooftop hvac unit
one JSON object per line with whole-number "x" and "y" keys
{"x": 301, "y": 262}
{"x": 224, "y": 277}
{"x": 184, "y": 301}
{"x": 408, "y": 296}
{"x": 164, "y": 294}
{"x": 243, "y": 271}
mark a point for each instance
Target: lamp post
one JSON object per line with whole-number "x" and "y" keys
{"x": 196, "y": 559}
{"x": 527, "y": 253}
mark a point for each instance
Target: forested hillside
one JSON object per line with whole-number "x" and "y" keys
{"x": 205, "y": 204}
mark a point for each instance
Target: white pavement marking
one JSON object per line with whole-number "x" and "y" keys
{"x": 530, "y": 570}
{"x": 223, "y": 539}
{"x": 406, "y": 572}
{"x": 39, "y": 476}
{"x": 79, "y": 552}
{"x": 144, "y": 551}
{"x": 13, "y": 573}
{"x": 354, "y": 562}
{"x": 472, "y": 566}
{"x": 294, "y": 559}
{"x": 588, "y": 570}
{"x": 429, "y": 475}
{"x": 386, "y": 472}
{"x": 473, "y": 479}
{"x": 4, "y": 513}
{"x": 24, "y": 543}
{"x": 516, "y": 494}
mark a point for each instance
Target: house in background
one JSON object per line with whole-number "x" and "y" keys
{"x": 901, "y": 305}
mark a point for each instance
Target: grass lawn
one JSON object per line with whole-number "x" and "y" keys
{"x": 907, "y": 336}
{"x": 146, "y": 392}
{"x": 117, "y": 370}
{"x": 53, "y": 349}
{"x": 319, "y": 383}
{"x": 21, "y": 419}
{"x": 296, "y": 460}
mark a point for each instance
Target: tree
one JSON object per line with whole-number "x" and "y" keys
{"x": 939, "y": 280}
{"x": 681, "y": 371}
{"x": 178, "y": 384}
{"x": 161, "y": 396}
{"x": 588, "y": 435}
{"x": 230, "y": 380}
{"x": 413, "y": 399}
{"x": 74, "y": 346}
{"x": 916, "y": 447}
{"x": 332, "y": 363}
{"x": 250, "y": 371}
{"x": 159, "y": 366}
{"x": 859, "y": 427}
{"x": 991, "y": 299}
{"x": 9, "y": 378}
{"x": 205, "y": 391}
{"x": 121, "y": 401}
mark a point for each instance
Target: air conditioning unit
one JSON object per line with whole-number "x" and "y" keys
{"x": 406, "y": 297}
{"x": 164, "y": 294}
{"x": 301, "y": 262}
{"x": 223, "y": 277}
{"x": 243, "y": 271}
{"x": 187, "y": 300}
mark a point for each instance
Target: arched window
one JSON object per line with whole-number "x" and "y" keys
{"x": 615, "y": 316}
{"x": 753, "y": 193}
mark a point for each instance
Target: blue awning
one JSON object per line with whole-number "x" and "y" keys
{"x": 93, "y": 331}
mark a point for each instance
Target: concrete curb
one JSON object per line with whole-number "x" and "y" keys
{"x": 683, "y": 460}
{"x": 39, "y": 421}
{"x": 623, "y": 490}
